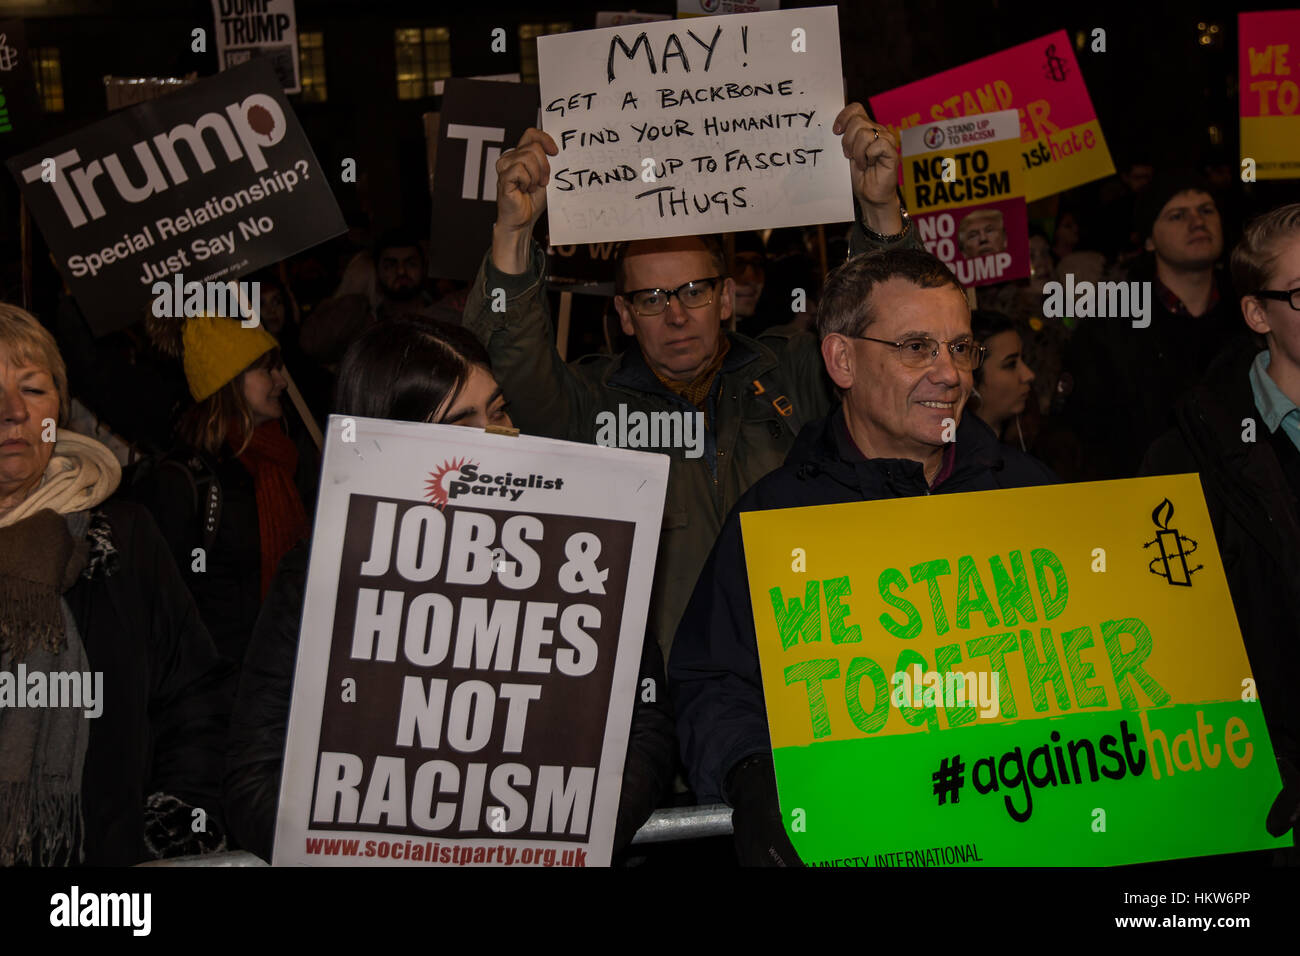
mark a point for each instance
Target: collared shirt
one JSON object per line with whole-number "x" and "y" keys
{"x": 1274, "y": 407}
{"x": 1173, "y": 304}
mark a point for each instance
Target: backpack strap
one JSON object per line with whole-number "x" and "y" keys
{"x": 780, "y": 402}
{"x": 206, "y": 494}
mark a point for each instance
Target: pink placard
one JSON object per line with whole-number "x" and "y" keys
{"x": 1268, "y": 56}
{"x": 1040, "y": 78}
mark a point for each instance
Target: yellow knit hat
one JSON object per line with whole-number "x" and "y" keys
{"x": 216, "y": 350}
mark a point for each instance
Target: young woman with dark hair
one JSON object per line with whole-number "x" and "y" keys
{"x": 1002, "y": 382}
{"x": 421, "y": 372}
{"x": 409, "y": 371}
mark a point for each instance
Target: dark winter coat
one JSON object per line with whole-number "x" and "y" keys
{"x": 228, "y": 589}
{"x": 1127, "y": 381}
{"x": 713, "y": 671}
{"x": 166, "y": 694}
{"x": 260, "y": 725}
{"x": 1251, "y": 491}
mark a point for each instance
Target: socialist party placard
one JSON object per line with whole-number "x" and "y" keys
{"x": 474, "y": 618}
{"x": 1053, "y": 676}
{"x": 675, "y": 128}
{"x": 211, "y": 183}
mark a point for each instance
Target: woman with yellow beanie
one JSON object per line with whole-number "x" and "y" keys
{"x": 236, "y": 492}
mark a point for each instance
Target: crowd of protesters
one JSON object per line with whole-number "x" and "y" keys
{"x": 164, "y": 538}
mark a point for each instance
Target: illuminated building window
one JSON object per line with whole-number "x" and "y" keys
{"x": 423, "y": 58}
{"x": 311, "y": 67}
{"x": 49, "y": 78}
{"x": 528, "y": 34}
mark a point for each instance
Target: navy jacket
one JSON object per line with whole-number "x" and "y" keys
{"x": 713, "y": 671}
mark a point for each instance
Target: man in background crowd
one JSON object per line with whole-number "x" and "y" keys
{"x": 400, "y": 292}
{"x": 1125, "y": 379}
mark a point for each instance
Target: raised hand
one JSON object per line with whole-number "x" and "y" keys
{"x": 873, "y": 162}
{"x": 522, "y": 175}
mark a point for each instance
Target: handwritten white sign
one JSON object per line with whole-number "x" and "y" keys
{"x": 714, "y": 124}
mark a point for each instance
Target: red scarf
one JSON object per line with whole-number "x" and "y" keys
{"x": 272, "y": 458}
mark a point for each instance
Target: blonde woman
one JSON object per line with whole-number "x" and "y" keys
{"x": 103, "y": 767}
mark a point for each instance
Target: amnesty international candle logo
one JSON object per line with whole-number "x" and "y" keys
{"x": 1173, "y": 553}
{"x": 457, "y": 477}
{"x": 8, "y": 54}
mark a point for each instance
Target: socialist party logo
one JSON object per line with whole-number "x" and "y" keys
{"x": 459, "y": 477}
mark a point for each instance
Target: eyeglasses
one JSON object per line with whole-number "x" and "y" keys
{"x": 920, "y": 351}
{"x": 693, "y": 295}
{"x": 1292, "y": 296}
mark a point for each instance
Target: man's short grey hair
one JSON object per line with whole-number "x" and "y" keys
{"x": 845, "y": 306}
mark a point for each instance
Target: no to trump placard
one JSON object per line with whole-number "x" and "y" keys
{"x": 1268, "y": 47}
{"x": 211, "y": 182}
{"x": 1060, "y": 138}
{"x": 1042, "y": 676}
{"x": 965, "y": 188}
{"x": 706, "y": 125}
{"x": 474, "y": 618}
{"x": 250, "y": 28}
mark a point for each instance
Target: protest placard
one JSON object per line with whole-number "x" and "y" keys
{"x": 1061, "y": 140}
{"x": 964, "y": 186}
{"x": 585, "y": 267}
{"x": 258, "y": 28}
{"x": 479, "y": 120}
{"x": 677, "y": 128}
{"x": 1032, "y": 677}
{"x": 474, "y": 618}
{"x": 440, "y": 86}
{"x": 1269, "y": 93}
{"x": 124, "y": 91}
{"x": 17, "y": 85}
{"x": 707, "y": 8}
{"x": 209, "y": 183}
{"x": 619, "y": 18}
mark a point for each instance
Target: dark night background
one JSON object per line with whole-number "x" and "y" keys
{"x": 1157, "y": 89}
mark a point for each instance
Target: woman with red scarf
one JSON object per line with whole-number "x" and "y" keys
{"x": 236, "y": 492}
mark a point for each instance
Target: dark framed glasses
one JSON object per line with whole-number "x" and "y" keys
{"x": 692, "y": 295}
{"x": 920, "y": 351}
{"x": 1289, "y": 295}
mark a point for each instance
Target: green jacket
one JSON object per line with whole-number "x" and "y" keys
{"x": 747, "y": 435}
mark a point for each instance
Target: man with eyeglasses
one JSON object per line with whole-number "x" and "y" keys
{"x": 673, "y": 297}
{"x": 1240, "y": 430}
{"x": 895, "y": 332}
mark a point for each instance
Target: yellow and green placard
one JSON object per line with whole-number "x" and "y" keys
{"x": 1077, "y": 690}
